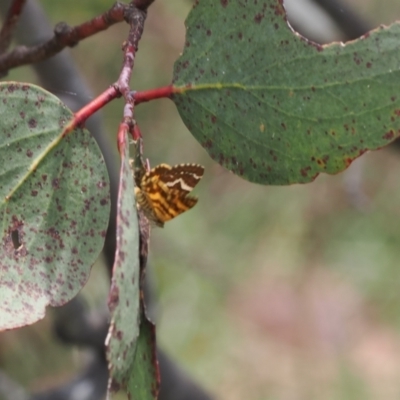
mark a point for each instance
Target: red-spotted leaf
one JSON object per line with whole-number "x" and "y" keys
{"x": 55, "y": 204}
{"x": 124, "y": 293}
{"x": 275, "y": 108}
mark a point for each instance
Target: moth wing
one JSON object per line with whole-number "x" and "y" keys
{"x": 164, "y": 191}
{"x": 173, "y": 205}
{"x": 184, "y": 177}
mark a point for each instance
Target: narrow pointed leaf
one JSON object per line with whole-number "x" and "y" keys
{"x": 124, "y": 293}
{"x": 144, "y": 381}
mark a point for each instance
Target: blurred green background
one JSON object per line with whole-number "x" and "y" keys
{"x": 263, "y": 292}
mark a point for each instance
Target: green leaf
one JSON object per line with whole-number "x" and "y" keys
{"x": 55, "y": 204}
{"x": 275, "y": 108}
{"x": 124, "y": 293}
{"x": 144, "y": 381}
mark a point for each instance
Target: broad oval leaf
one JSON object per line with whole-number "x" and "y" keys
{"x": 55, "y": 204}
{"x": 275, "y": 108}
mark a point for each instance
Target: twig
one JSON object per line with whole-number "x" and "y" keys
{"x": 9, "y": 24}
{"x": 135, "y": 18}
{"x": 64, "y": 36}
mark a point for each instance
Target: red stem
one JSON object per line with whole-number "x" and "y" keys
{"x": 152, "y": 94}
{"x": 114, "y": 92}
{"x": 85, "y": 112}
{"x": 121, "y": 143}
{"x": 136, "y": 134}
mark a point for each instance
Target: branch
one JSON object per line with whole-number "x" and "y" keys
{"x": 10, "y": 23}
{"x": 135, "y": 18}
{"x": 64, "y": 36}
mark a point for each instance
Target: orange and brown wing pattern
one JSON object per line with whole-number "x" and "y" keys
{"x": 163, "y": 191}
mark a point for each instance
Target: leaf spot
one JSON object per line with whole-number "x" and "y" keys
{"x": 258, "y": 18}
{"x": 389, "y": 135}
{"x": 32, "y": 123}
{"x": 55, "y": 183}
{"x": 15, "y": 239}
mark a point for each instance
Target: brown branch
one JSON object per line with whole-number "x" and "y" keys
{"x": 64, "y": 36}
{"x": 9, "y": 24}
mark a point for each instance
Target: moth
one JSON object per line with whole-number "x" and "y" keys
{"x": 163, "y": 192}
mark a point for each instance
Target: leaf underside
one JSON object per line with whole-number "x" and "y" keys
{"x": 124, "y": 293}
{"x": 144, "y": 381}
